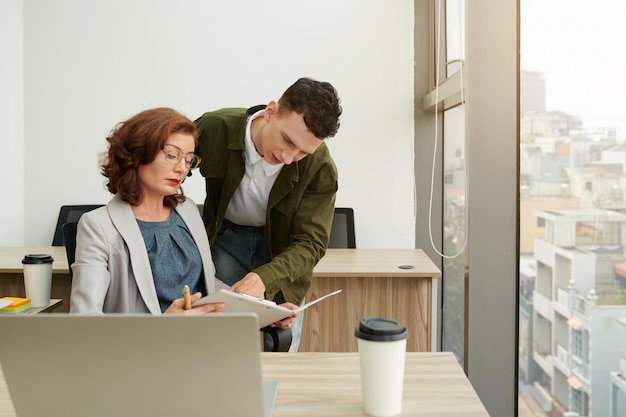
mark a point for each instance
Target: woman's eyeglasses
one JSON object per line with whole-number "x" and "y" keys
{"x": 174, "y": 155}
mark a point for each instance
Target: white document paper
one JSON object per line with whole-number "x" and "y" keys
{"x": 268, "y": 311}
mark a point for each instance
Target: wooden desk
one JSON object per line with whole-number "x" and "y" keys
{"x": 12, "y": 275}
{"x": 328, "y": 384}
{"x": 373, "y": 286}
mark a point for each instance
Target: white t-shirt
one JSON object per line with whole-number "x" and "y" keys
{"x": 249, "y": 203}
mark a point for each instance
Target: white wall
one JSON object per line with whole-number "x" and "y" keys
{"x": 12, "y": 122}
{"x": 89, "y": 64}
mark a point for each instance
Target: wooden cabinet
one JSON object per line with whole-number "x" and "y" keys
{"x": 390, "y": 283}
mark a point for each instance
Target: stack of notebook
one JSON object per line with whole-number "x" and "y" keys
{"x": 17, "y": 304}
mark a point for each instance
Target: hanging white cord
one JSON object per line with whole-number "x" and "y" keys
{"x": 432, "y": 178}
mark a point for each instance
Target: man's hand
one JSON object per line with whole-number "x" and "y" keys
{"x": 251, "y": 284}
{"x": 286, "y": 322}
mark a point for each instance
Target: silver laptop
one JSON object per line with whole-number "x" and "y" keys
{"x": 119, "y": 365}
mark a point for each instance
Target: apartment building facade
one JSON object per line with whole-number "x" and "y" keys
{"x": 576, "y": 305}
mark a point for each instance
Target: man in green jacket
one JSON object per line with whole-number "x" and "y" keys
{"x": 271, "y": 186}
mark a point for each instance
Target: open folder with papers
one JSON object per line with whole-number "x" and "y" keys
{"x": 268, "y": 311}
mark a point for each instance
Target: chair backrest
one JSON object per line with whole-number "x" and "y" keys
{"x": 342, "y": 231}
{"x": 69, "y": 233}
{"x": 69, "y": 214}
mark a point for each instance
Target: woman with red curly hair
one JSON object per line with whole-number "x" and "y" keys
{"x": 136, "y": 254}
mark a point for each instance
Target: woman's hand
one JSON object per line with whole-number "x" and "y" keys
{"x": 286, "y": 322}
{"x": 178, "y": 306}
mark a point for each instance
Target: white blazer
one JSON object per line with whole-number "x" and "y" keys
{"x": 111, "y": 272}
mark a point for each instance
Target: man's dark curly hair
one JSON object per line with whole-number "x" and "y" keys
{"x": 318, "y": 103}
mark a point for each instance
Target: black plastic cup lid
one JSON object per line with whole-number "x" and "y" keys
{"x": 37, "y": 258}
{"x": 381, "y": 330}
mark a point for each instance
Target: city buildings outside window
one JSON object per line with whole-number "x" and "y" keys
{"x": 572, "y": 312}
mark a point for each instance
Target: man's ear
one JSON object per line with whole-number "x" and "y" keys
{"x": 271, "y": 110}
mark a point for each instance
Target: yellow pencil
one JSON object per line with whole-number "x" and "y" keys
{"x": 187, "y": 297}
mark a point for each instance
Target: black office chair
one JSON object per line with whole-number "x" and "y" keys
{"x": 281, "y": 338}
{"x": 69, "y": 235}
{"x": 69, "y": 214}
{"x": 342, "y": 231}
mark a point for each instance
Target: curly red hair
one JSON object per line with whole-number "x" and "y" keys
{"x": 137, "y": 141}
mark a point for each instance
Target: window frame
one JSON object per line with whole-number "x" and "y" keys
{"x": 492, "y": 122}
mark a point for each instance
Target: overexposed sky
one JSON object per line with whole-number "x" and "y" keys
{"x": 579, "y": 46}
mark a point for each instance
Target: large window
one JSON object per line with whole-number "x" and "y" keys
{"x": 446, "y": 100}
{"x": 572, "y": 183}
{"x": 467, "y": 72}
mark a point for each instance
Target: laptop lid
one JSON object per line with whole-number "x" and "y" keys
{"x": 119, "y": 365}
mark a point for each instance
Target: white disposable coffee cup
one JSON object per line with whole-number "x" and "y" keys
{"x": 382, "y": 349}
{"x": 38, "y": 278}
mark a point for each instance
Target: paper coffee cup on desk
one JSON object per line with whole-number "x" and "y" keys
{"x": 38, "y": 278}
{"x": 382, "y": 350}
